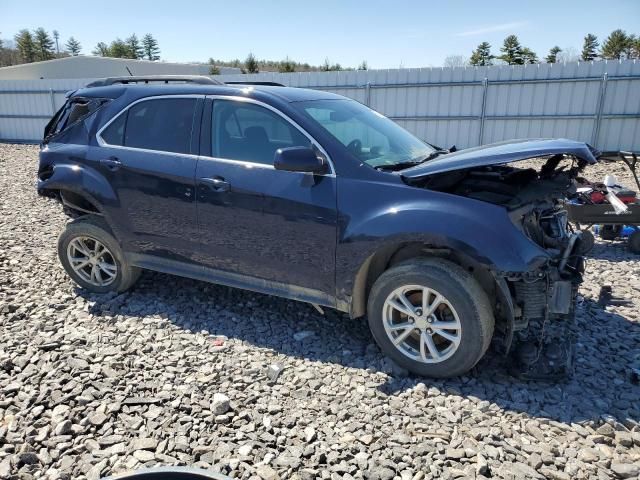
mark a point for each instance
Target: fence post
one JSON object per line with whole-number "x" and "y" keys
{"x": 53, "y": 101}
{"x": 600, "y": 107}
{"x": 367, "y": 94}
{"x": 485, "y": 87}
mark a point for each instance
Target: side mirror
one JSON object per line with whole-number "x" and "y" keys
{"x": 299, "y": 159}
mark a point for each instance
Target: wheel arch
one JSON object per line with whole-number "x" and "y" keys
{"x": 489, "y": 279}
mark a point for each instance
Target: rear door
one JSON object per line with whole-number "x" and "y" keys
{"x": 257, "y": 221}
{"x": 148, "y": 153}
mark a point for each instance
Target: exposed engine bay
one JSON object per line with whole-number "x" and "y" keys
{"x": 536, "y": 308}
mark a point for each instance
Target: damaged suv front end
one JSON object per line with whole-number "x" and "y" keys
{"x": 534, "y": 308}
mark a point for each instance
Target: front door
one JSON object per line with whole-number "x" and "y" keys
{"x": 146, "y": 155}
{"x": 262, "y": 223}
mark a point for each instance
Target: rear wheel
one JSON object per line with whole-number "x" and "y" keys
{"x": 92, "y": 257}
{"x": 431, "y": 317}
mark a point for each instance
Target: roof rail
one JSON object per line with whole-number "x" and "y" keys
{"x": 268, "y": 84}
{"x": 199, "y": 79}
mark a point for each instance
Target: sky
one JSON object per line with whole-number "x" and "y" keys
{"x": 387, "y": 34}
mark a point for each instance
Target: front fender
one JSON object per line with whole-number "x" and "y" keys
{"x": 398, "y": 214}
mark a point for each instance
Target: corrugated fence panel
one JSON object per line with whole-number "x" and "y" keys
{"x": 445, "y": 106}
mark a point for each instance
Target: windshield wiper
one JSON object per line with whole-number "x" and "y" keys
{"x": 411, "y": 163}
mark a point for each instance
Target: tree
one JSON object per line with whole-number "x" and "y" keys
{"x": 150, "y": 48}
{"x": 633, "y": 44}
{"x": 56, "y": 37}
{"x": 616, "y": 45}
{"x": 568, "y": 54}
{"x": 101, "y": 50}
{"x": 512, "y": 51}
{"x": 481, "y": 56}
{"x": 134, "y": 50}
{"x": 43, "y": 44}
{"x": 251, "y": 64}
{"x": 287, "y": 66}
{"x": 73, "y": 46}
{"x": 328, "y": 67}
{"x": 529, "y": 56}
{"x": 363, "y": 66}
{"x": 553, "y": 55}
{"x": 455, "y": 61}
{"x": 118, "y": 49}
{"x": 590, "y": 47}
{"x": 25, "y": 46}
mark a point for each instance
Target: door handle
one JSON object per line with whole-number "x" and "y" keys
{"x": 217, "y": 184}
{"x": 112, "y": 164}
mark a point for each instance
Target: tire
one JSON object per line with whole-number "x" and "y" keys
{"x": 464, "y": 298}
{"x": 634, "y": 242}
{"x": 587, "y": 241}
{"x": 90, "y": 232}
{"x": 610, "y": 232}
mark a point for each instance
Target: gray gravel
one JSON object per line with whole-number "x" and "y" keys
{"x": 179, "y": 372}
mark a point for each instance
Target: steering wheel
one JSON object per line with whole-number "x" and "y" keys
{"x": 355, "y": 146}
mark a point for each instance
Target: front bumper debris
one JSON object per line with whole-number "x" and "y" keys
{"x": 544, "y": 320}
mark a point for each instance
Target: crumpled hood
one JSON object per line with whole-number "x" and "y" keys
{"x": 502, "y": 152}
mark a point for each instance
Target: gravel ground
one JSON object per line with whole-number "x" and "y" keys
{"x": 183, "y": 372}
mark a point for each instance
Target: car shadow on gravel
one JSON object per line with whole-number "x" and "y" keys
{"x": 607, "y": 344}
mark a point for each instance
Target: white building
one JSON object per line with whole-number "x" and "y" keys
{"x": 84, "y": 66}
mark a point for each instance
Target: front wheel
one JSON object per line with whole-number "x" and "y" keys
{"x": 431, "y": 317}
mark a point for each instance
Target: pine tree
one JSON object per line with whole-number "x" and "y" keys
{"x": 553, "y": 55}
{"x": 101, "y": 50}
{"x": 251, "y": 64}
{"x": 529, "y": 56}
{"x": 512, "y": 51}
{"x": 481, "y": 56}
{"x": 119, "y": 49}
{"x": 43, "y": 44}
{"x": 287, "y": 66}
{"x": 363, "y": 66}
{"x": 73, "y": 46}
{"x": 56, "y": 37}
{"x": 25, "y": 46}
{"x": 615, "y": 45}
{"x": 634, "y": 51}
{"x": 590, "y": 47}
{"x": 150, "y": 48}
{"x": 134, "y": 50}
{"x": 631, "y": 50}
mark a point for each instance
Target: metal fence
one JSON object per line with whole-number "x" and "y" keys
{"x": 597, "y": 102}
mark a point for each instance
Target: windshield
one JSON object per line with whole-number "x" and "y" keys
{"x": 367, "y": 134}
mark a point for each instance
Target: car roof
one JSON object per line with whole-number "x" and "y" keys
{"x": 286, "y": 94}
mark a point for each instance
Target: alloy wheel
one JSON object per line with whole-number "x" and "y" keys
{"x": 92, "y": 261}
{"x": 422, "y": 324}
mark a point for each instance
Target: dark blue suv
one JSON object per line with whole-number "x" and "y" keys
{"x": 315, "y": 197}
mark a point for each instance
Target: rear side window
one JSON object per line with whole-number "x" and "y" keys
{"x": 163, "y": 124}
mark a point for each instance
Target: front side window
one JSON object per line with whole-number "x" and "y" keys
{"x": 368, "y": 135}
{"x": 162, "y": 124}
{"x": 248, "y": 132}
